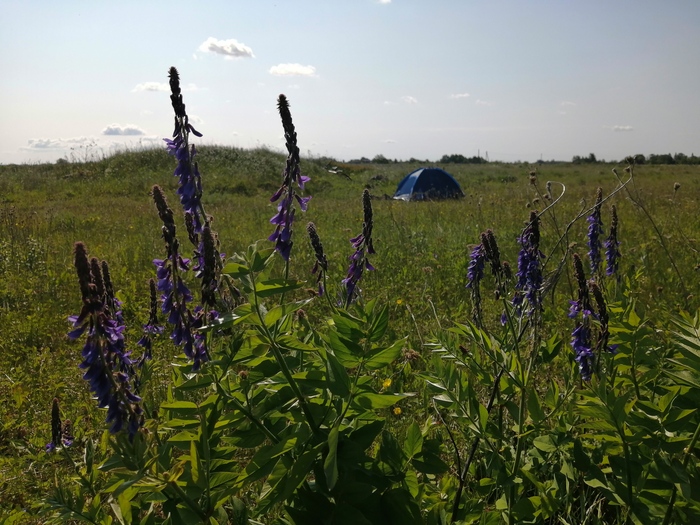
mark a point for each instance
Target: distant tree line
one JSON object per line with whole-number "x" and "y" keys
{"x": 664, "y": 158}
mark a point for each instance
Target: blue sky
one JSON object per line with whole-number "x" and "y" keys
{"x": 521, "y": 80}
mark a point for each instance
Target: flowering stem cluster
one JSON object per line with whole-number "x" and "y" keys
{"x": 582, "y": 335}
{"x": 363, "y": 246}
{"x": 108, "y": 365}
{"x": 486, "y": 251}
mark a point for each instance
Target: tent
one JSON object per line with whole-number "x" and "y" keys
{"x": 428, "y": 184}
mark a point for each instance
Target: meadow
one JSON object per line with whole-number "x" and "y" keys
{"x": 434, "y": 410}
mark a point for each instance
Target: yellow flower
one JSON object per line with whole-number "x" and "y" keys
{"x": 386, "y": 383}
{"x": 399, "y": 301}
{"x": 397, "y": 411}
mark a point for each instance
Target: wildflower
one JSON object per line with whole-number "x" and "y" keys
{"x": 583, "y": 355}
{"x": 475, "y": 270}
{"x": 190, "y": 181}
{"x": 386, "y": 383}
{"x": 583, "y": 303}
{"x": 107, "y": 363}
{"x": 529, "y": 274}
{"x": 283, "y": 219}
{"x": 363, "y": 246}
{"x": 321, "y": 263}
{"x": 595, "y": 230}
{"x": 603, "y": 319}
{"x": 397, "y": 411}
{"x": 612, "y": 251}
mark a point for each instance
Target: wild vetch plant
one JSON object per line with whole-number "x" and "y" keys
{"x": 281, "y": 410}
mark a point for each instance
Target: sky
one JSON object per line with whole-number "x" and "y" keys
{"x": 510, "y": 80}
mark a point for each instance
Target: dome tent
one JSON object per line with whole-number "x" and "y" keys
{"x": 428, "y": 184}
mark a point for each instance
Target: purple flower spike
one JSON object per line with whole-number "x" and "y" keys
{"x": 595, "y": 230}
{"x": 583, "y": 355}
{"x": 283, "y": 219}
{"x": 529, "y": 274}
{"x": 363, "y": 246}
{"x": 612, "y": 247}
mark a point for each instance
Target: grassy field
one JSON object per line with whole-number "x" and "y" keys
{"x": 421, "y": 262}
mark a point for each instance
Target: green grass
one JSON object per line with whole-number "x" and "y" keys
{"x": 422, "y": 257}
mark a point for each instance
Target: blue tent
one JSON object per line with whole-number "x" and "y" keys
{"x": 428, "y": 184}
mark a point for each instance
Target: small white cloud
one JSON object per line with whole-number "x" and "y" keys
{"x": 289, "y": 70}
{"x": 567, "y": 103}
{"x": 622, "y": 128}
{"x": 128, "y": 130}
{"x": 409, "y": 99}
{"x": 459, "y": 95}
{"x": 384, "y": 2}
{"x": 389, "y": 141}
{"x": 389, "y": 103}
{"x": 229, "y": 48}
{"x": 151, "y": 86}
{"x": 480, "y": 102}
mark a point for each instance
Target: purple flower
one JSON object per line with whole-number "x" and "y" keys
{"x": 108, "y": 367}
{"x": 612, "y": 250}
{"x": 283, "y": 219}
{"x": 595, "y": 230}
{"x": 363, "y": 246}
{"x": 583, "y": 355}
{"x": 475, "y": 270}
{"x": 529, "y": 274}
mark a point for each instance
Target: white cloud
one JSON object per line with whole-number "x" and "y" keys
{"x": 229, "y": 48}
{"x": 409, "y": 99}
{"x": 117, "y": 129}
{"x": 384, "y": 2}
{"x": 480, "y": 102}
{"x": 389, "y": 141}
{"x": 459, "y": 95}
{"x": 567, "y": 103}
{"x": 288, "y": 70}
{"x": 622, "y": 128}
{"x": 151, "y": 86}
{"x": 54, "y": 144}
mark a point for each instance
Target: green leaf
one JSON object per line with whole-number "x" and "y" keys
{"x": 275, "y": 287}
{"x": 235, "y": 270}
{"x": 290, "y": 342}
{"x": 261, "y": 259}
{"x": 347, "y": 351}
{"x": 330, "y": 464}
{"x": 380, "y": 322}
{"x": 278, "y": 312}
{"x": 414, "y": 441}
{"x": 401, "y": 508}
{"x": 194, "y": 462}
{"x": 371, "y": 401}
{"x": 544, "y": 443}
{"x": 382, "y": 357}
{"x": 337, "y": 376}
